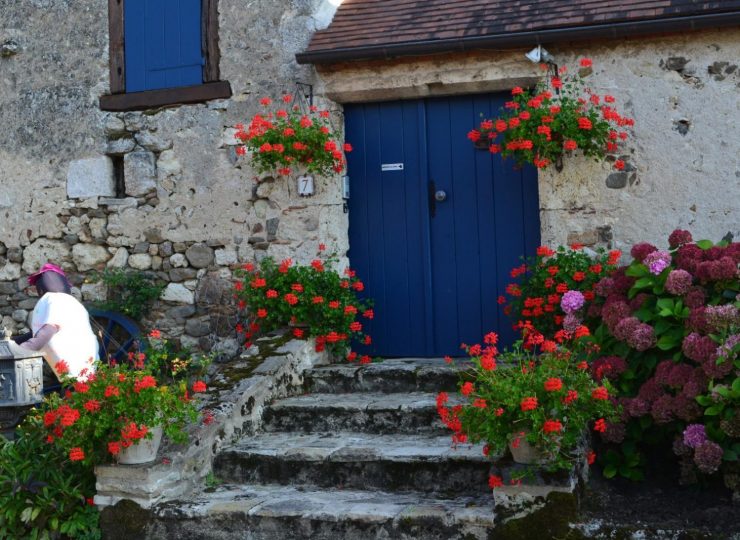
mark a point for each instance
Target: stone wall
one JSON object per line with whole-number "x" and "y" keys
{"x": 189, "y": 209}
{"x": 683, "y": 156}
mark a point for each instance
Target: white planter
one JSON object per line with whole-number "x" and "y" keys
{"x": 527, "y": 454}
{"x": 144, "y": 451}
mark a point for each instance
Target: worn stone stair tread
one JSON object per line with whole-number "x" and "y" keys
{"x": 352, "y": 446}
{"x": 334, "y": 505}
{"x": 367, "y": 401}
{"x": 393, "y": 375}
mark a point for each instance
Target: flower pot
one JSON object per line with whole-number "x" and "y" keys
{"x": 525, "y": 453}
{"x": 143, "y": 451}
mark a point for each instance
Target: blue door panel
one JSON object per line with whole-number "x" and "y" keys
{"x": 163, "y": 47}
{"x": 436, "y": 269}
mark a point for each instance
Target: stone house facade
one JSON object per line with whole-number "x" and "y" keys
{"x": 160, "y": 188}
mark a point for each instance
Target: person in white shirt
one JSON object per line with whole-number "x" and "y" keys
{"x": 60, "y": 326}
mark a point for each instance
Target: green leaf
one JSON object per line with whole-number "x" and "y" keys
{"x": 705, "y": 244}
{"x": 736, "y": 385}
{"x": 610, "y": 471}
{"x": 667, "y": 342}
{"x": 713, "y": 411}
{"x": 643, "y": 283}
{"x": 729, "y": 455}
{"x": 637, "y": 270}
{"x": 665, "y": 303}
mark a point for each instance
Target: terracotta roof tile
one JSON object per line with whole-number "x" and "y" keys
{"x": 359, "y": 24}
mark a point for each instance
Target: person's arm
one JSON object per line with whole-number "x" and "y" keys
{"x": 42, "y": 337}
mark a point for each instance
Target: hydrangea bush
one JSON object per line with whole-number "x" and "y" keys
{"x": 670, "y": 335}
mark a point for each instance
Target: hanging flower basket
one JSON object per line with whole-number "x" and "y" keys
{"x": 288, "y": 140}
{"x": 560, "y": 116}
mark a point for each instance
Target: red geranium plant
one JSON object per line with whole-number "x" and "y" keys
{"x": 316, "y": 300}
{"x": 287, "y": 140}
{"x": 114, "y": 407}
{"x": 559, "y": 116}
{"x": 547, "y": 399}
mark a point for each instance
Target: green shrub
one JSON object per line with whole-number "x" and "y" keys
{"x": 129, "y": 292}
{"x": 43, "y": 495}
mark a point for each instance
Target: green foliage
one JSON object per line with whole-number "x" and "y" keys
{"x": 314, "y": 295}
{"x": 43, "y": 495}
{"x": 129, "y": 292}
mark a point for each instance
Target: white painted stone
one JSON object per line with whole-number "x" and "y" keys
{"x": 177, "y": 292}
{"x": 191, "y": 284}
{"x": 88, "y": 256}
{"x": 178, "y": 260}
{"x": 91, "y": 177}
{"x": 140, "y": 261}
{"x": 10, "y": 271}
{"x": 42, "y": 251}
{"x": 225, "y": 257}
{"x": 94, "y": 292}
{"x": 140, "y": 174}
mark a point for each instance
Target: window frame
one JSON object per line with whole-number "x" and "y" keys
{"x": 211, "y": 88}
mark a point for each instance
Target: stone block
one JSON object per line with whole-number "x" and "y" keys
{"x": 20, "y": 315}
{"x": 118, "y": 147}
{"x": 140, "y": 261}
{"x": 92, "y": 177}
{"x": 199, "y": 255}
{"x": 168, "y": 164}
{"x": 94, "y": 292}
{"x": 152, "y": 142}
{"x": 88, "y": 257}
{"x": 140, "y": 173}
{"x": 178, "y": 260}
{"x": 119, "y": 259}
{"x": 42, "y": 251}
{"x": 198, "y": 327}
{"x": 225, "y": 257}
{"x": 10, "y": 271}
{"x": 177, "y": 292}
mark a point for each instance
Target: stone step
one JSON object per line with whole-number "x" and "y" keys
{"x": 421, "y": 463}
{"x": 274, "y": 512}
{"x": 393, "y": 375}
{"x": 368, "y": 412}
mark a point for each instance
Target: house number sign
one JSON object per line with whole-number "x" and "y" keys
{"x": 391, "y": 167}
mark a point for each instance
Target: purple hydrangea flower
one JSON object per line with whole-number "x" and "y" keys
{"x": 572, "y": 301}
{"x": 708, "y": 457}
{"x": 657, "y": 261}
{"x": 570, "y": 322}
{"x": 678, "y": 282}
{"x": 721, "y": 317}
{"x": 679, "y": 237}
{"x": 694, "y": 435}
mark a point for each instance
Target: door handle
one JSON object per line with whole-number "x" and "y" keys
{"x": 440, "y": 195}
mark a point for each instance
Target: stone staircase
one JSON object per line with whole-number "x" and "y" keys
{"x": 361, "y": 455}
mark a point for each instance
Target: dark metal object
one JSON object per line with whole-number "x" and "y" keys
{"x": 21, "y": 381}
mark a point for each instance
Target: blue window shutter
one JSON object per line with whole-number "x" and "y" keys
{"x": 163, "y": 47}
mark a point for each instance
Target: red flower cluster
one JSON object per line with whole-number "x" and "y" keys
{"x": 538, "y": 127}
{"x": 284, "y": 140}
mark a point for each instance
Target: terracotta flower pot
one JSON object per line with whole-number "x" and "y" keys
{"x": 143, "y": 451}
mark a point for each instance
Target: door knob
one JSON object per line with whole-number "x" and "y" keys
{"x": 440, "y": 195}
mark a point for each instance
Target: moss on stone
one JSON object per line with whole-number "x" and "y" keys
{"x": 125, "y": 520}
{"x": 232, "y": 373}
{"x": 551, "y": 521}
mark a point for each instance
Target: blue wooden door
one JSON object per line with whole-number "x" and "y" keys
{"x": 434, "y": 267}
{"x": 163, "y": 47}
